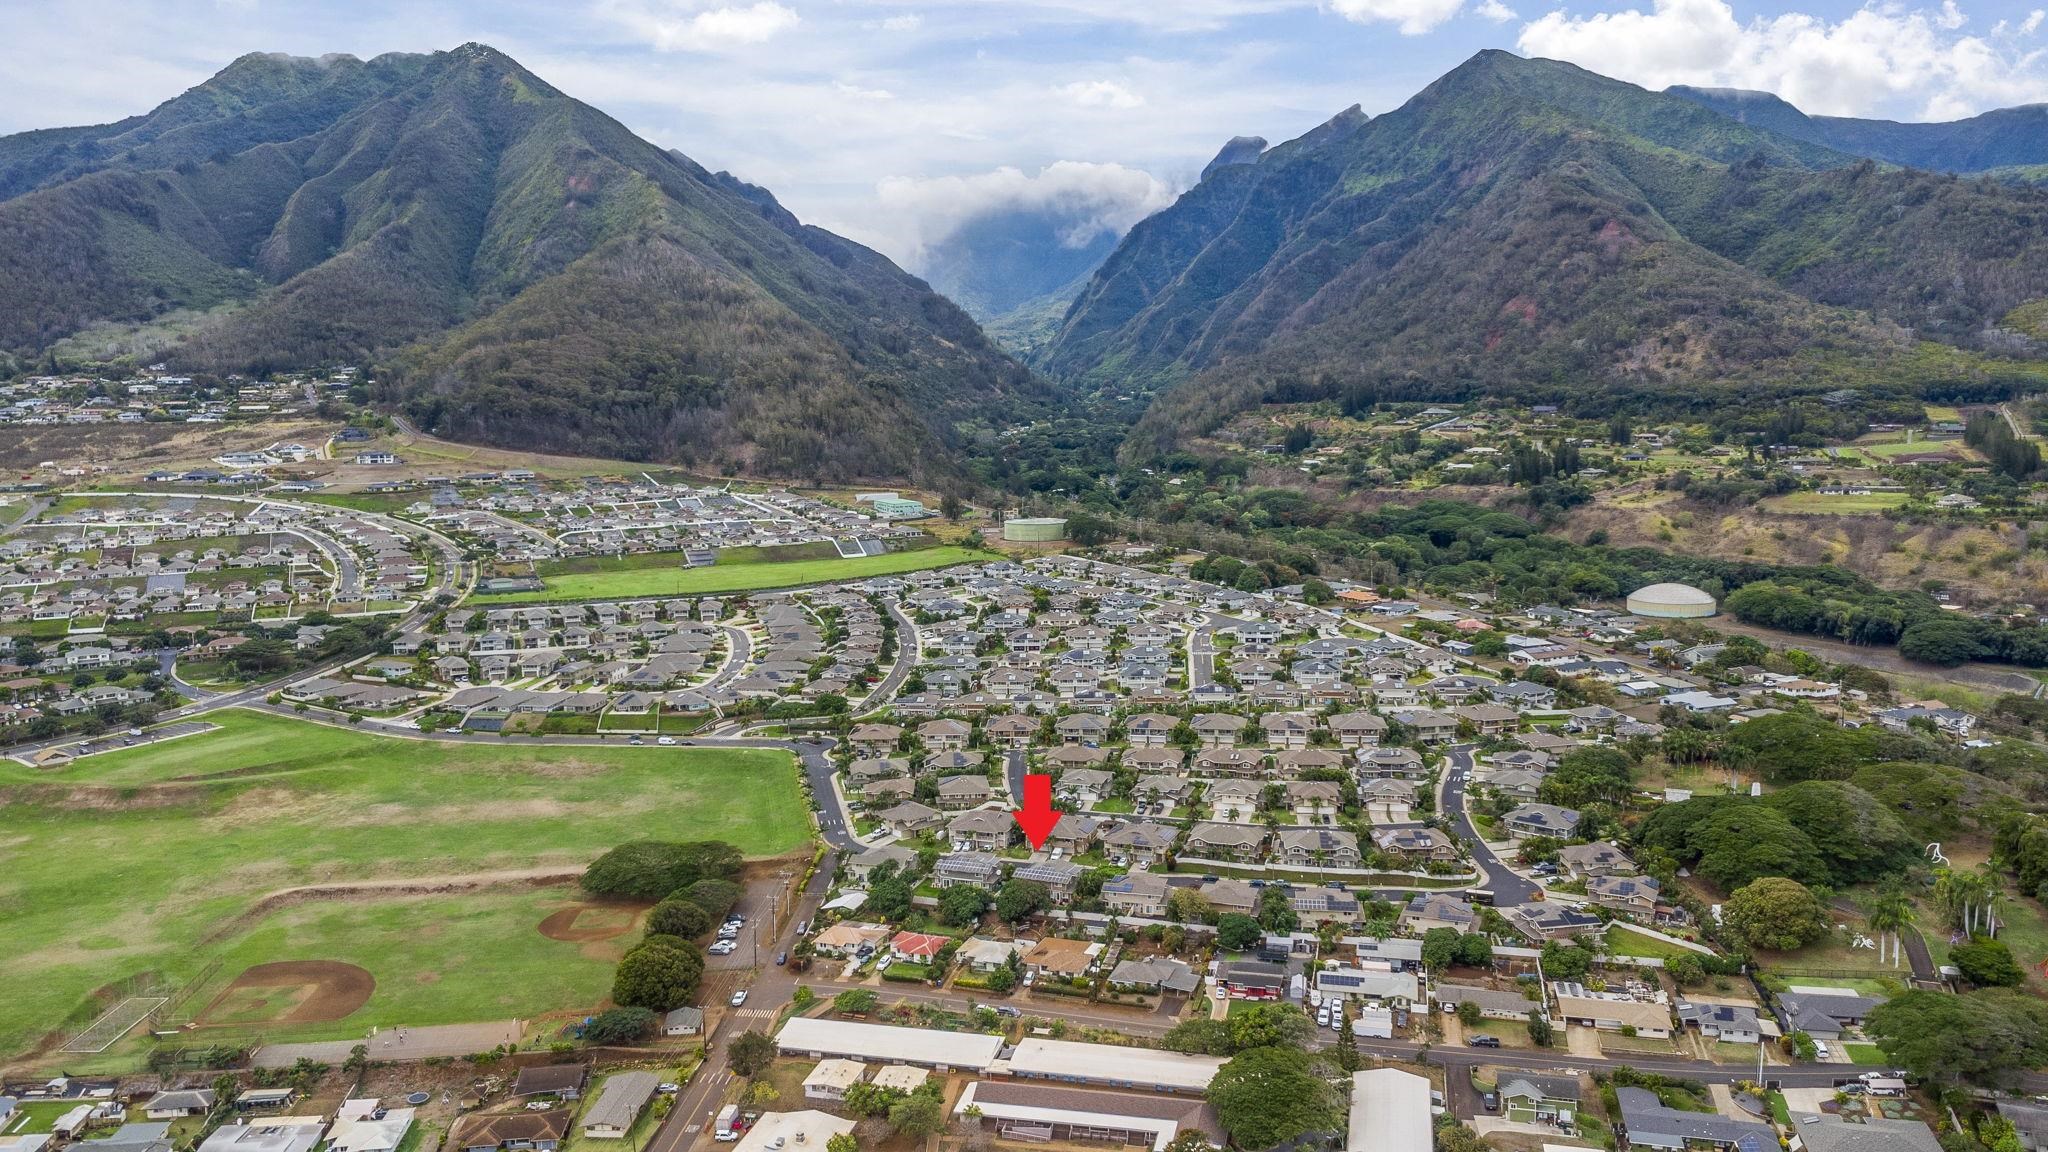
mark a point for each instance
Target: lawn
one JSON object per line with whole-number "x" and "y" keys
{"x": 678, "y": 581}
{"x": 1864, "y": 1053}
{"x": 1623, "y": 941}
{"x": 141, "y": 860}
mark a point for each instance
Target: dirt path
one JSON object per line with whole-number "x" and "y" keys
{"x": 409, "y": 886}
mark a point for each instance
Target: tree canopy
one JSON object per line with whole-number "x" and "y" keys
{"x": 1776, "y": 914}
{"x": 659, "y": 973}
{"x": 1265, "y": 1096}
{"x": 1983, "y": 1038}
{"x": 655, "y": 869}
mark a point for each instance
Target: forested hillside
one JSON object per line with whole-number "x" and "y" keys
{"x": 529, "y": 272}
{"x": 1524, "y": 228}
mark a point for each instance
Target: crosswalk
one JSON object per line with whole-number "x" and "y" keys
{"x": 756, "y": 1013}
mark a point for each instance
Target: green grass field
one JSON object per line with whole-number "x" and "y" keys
{"x": 676, "y": 581}
{"x": 143, "y": 860}
{"x": 1905, "y": 447}
{"x": 1810, "y": 503}
{"x": 437, "y": 959}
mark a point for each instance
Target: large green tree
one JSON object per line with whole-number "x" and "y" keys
{"x": 1742, "y": 842}
{"x": 715, "y": 896}
{"x": 962, "y": 904}
{"x": 1775, "y": 914}
{"x": 659, "y": 973}
{"x": 1857, "y": 836}
{"x": 1794, "y": 746}
{"x": 1985, "y": 1038}
{"x": 1587, "y": 776}
{"x": 1987, "y": 963}
{"x": 1017, "y": 900}
{"x": 1237, "y": 932}
{"x": 1265, "y": 1096}
{"x": 678, "y": 917}
{"x": 640, "y": 870}
{"x": 750, "y": 1053}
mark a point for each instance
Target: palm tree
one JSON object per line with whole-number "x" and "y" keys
{"x": 1967, "y": 897}
{"x": 1890, "y": 914}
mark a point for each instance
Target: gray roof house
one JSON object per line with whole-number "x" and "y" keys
{"x": 624, "y": 1097}
{"x": 1648, "y": 1123}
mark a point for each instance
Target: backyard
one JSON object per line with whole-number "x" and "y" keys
{"x": 152, "y": 860}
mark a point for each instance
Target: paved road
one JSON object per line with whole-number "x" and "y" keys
{"x": 768, "y": 989}
{"x": 1016, "y": 765}
{"x": 1202, "y": 656}
{"x": 33, "y": 508}
{"x": 739, "y": 650}
{"x": 1507, "y": 887}
{"x": 167, "y": 667}
{"x": 909, "y": 651}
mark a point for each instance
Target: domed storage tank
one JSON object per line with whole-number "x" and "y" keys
{"x": 1035, "y": 529}
{"x": 1671, "y": 602}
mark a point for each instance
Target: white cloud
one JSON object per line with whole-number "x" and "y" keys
{"x": 685, "y": 27}
{"x": 856, "y": 92}
{"x": 1099, "y": 94}
{"x": 2032, "y": 23}
{"x": 1496, "y": 11}
{"x": 902, "y": 22}
{"x": 1414, "y": 17}
{"x": 1875, "y": 61}
{"x": 1083, "y": 201}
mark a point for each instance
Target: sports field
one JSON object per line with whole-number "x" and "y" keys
{"x": 720, "y": 578}
{"x": 151, "y": 860}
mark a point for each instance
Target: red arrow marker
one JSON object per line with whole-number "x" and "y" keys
{"x": 1037, "y": 816}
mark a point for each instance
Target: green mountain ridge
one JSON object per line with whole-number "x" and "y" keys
{"x": 1527, "y": 228}
{"x": 1998, "y": 141}
{"x": 523, "y": 270}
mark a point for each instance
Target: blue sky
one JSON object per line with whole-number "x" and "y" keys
{"x": 891, "y": 122}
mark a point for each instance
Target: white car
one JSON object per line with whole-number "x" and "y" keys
{"x": 666, "y": 741}
{"x": 739, "y": 997}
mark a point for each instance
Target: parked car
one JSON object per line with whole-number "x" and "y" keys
{"x": 1491, "y": 1101}
{"x": 666, "y": 1089}
{"x": 1008, "y": 1010}
{"x": 1482, "y": 1041}
{"x": 782, "y": 957}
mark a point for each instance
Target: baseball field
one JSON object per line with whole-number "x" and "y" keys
{"x": 328, "y": 879}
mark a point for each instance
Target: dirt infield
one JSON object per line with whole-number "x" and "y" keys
{"x": 290, "y": 992}
{"x": 590, "y": 923}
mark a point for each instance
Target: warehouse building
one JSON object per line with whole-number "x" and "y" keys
{"x": 1041, "y": 1113}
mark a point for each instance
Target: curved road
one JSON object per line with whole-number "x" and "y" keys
{"x": 1507, "y": 887}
